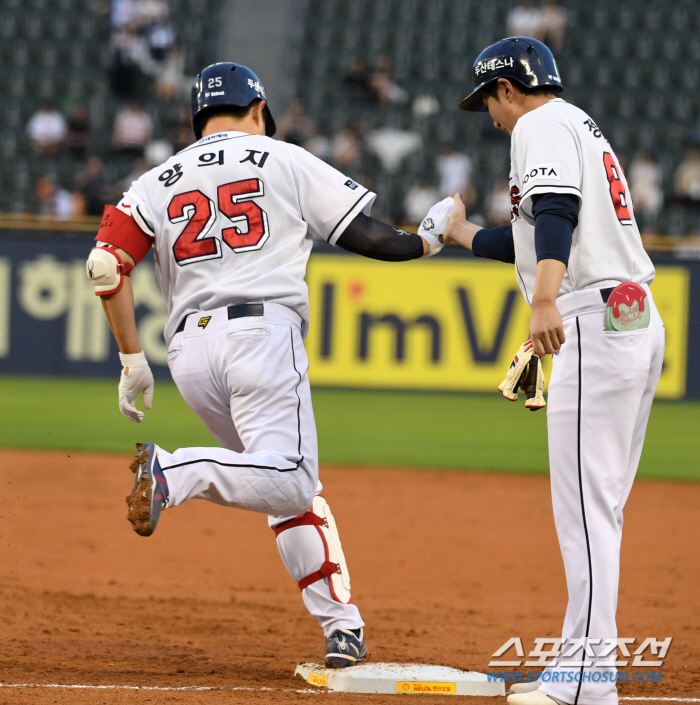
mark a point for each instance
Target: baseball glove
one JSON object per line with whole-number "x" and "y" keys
{"x": 525, "y": 373}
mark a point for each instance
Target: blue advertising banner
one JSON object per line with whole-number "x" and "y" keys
{"x": 51, "y": 322}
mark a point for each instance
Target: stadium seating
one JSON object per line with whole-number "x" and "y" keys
{"x": 59, "y": 49}
{"x": 634, "y": 67}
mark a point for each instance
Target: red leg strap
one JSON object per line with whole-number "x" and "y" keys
{"x": 310, "y": 519}
{"x": 306, "y": 519}
{"x": 327, "y": 569}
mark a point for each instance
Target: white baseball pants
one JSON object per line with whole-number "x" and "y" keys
{"x": 600, "y": 396}
{"x": 247, "y": 380}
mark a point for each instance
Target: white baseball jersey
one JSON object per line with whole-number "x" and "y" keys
{"x": 557, "y": 148}
{"x": 233, "y": 217}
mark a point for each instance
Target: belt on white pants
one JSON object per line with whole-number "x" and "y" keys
{"x": 274, "y": 313}
{"x": 588, "y": 301}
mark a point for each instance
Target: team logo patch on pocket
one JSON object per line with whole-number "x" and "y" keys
{"x": 628, "y": 308}
{"x": 203, "y": 321}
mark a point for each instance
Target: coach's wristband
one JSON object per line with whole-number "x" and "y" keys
{"x": 133, "y": 359}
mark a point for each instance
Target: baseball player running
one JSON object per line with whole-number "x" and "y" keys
{"x": 231, "y": 219}
{"x": 581, "y": 266}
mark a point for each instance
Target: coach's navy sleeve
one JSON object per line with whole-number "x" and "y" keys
{"x": 495, "y": 243}
{"x": 556, "y": 218}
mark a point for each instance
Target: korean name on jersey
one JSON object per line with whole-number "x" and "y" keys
{"x": 232, "y": 218}
{"x": 557, "y": 148}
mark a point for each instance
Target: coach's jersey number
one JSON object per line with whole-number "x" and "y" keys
{"x": 196, "y": 243}
{"x": 617, "y": 189}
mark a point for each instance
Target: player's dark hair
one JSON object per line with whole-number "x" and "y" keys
{"x": 234, "y": 111}
{"x": 492, "y": 89}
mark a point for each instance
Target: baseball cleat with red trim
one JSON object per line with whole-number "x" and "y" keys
{"x": 345, "y": 647}
{"x": 150, "y": 494}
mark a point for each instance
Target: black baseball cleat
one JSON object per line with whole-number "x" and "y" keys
{"x": 345, "y": 647}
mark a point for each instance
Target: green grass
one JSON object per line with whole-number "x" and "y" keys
{"x": 403, "y": 429}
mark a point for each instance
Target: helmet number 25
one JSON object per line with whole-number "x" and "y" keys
{"x": 196, "y": 242}
{"x": 617, "y": 189}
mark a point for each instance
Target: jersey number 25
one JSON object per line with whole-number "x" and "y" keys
{"x": 195, "y": 244}
{"x": 617, "y": 189}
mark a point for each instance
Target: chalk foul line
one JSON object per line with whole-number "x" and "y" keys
{"x": 258, "y": 690}
{"x": 673, "y": 700}
{"x": 158, "y": 687}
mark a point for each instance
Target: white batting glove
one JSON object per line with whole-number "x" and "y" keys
{"x": 136, "y": 377}
{"x": 434, "y": 224}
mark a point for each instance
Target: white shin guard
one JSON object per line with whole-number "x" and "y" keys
{"x": 311, "y": 550}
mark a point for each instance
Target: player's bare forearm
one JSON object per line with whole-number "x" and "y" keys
{"x": 546, "y": 325}
{"x": 462, "y": 233}
{"x": 119, "y": 309}
{"x": 459, "y": 229}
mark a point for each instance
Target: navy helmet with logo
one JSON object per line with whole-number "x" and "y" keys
{"x": 521, "y": 59}
{"x": 226, "y": 84}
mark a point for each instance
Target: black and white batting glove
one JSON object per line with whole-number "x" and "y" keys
{"x": 136, "y": 377}
{"x": 434, "y": 224}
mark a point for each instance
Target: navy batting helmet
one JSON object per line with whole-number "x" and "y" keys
{"x": 226, "y": 85}
{"x": 520, "y": 59}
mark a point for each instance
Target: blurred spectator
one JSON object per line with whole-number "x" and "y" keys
{"x": 158, "y": 151}
{"x": 419, "y": 200}
{"x": 320, "y": 147}
{"x": 159, "y": 35}
{"x": 553, "y": 25}
{"x": 424, "y": 105}
{"x": 392, "y": 146}
{"x": 357, "y": 84}
{"x": 47, "y": 129}
{"x": 498, "y": 204}
{"x": 123, "y": 71}
{"x": 54, "y": 202}
{"x": 388, "y": 92}
{"x": 525, "y": 20}
{"x": 296, "y": 127}
{"x": 94, "y": 187}
{"x": 138, "y": 169}
{"x": 123, "y": 12}
{"x": 181, "y": 129}
{"x": 645, "y": 180}
{"x": 78, "y": 131}
{"x": 166, "y": 60}
{"x": 171, "y": 82}
{"x": 132, "y": 130}
{"x": 347, "y": 147}
{"x": 686, "y": 180}
{"x": 455, "y": 170}
{"x": 144, "y": 45}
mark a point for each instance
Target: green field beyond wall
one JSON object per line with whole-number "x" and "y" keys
{"x": 401, "y": 429}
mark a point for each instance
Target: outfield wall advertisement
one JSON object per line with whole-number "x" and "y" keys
{"x": 442, "y": 324}
{"x": 450, "y": 324}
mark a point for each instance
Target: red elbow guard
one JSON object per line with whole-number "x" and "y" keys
{"x": 120, "y": 230}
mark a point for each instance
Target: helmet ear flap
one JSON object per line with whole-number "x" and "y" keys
{"x": 270, "y": 126}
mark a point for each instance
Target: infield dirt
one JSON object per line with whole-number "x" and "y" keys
{"x": 445, "y": 567}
